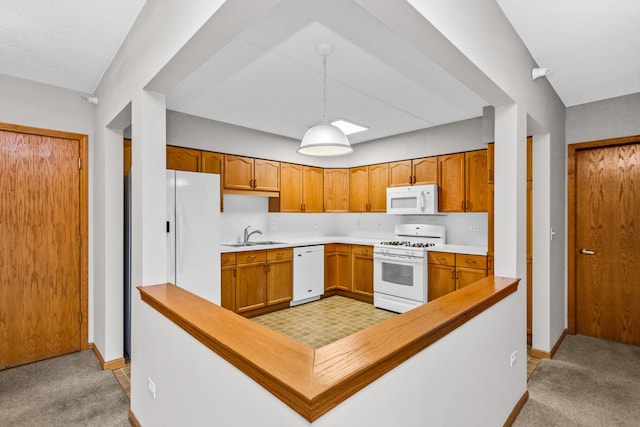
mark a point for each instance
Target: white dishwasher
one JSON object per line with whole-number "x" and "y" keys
{"x": 308, "y": 274}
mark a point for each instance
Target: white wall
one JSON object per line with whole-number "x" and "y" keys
{"x": 33, "y": 104}
{"x": 462, "y": 379}
{"x": 609, "y": 118}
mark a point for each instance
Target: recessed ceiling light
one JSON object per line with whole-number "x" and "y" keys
{"x": 347, "y": 127}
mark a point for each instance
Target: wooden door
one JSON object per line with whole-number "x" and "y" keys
{"x": 42, "y": 257}
{"x": 451, "y": 183}
{"x": 466, "y": 276}
{"x": 127, "y": 155}
{"x": 290, "y": 187}
{"x": 336, "y": 190}
{"x": 183, "y": 159}
{"x": 238, "y": 172}
{"x": 312, "y": 189}
{"x": 400, "y": 173}
{"x": 441, "y": 281}
{"x": 359, "y": 189}
{"x": 228, "y": 281}
{"x": 330, "y": 267}
{"x": 490, "y": 203}
{"x": 266, "y": 175}
{"x": 212, "y": 163}
{"x": 425, "y": 171}
{"x": 607, "y": 243}
{"x": 476, "y": 183}
{"x": 529, "y": 240}
{"x": 378, "y": 183}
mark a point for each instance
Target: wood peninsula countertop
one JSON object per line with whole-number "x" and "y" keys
{"x": 312, "y": 382}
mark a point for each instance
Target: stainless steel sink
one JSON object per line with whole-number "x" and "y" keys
{"x": 254, "y": 243}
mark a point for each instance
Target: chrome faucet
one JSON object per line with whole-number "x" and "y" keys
{"x": 247, "y": 234}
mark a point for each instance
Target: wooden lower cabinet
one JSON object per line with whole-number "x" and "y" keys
{"x": 256, "y": 279}
{"x": 362, "y": 270}
{"x": 449, "y": 272}
{"x": 337, "y": 267}
{"x": 228, "y": 281}
{"x": 279, "y": 275}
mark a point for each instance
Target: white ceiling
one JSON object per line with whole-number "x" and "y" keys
{"x": 270, "y": 78}
{"x": 66, "y": 43}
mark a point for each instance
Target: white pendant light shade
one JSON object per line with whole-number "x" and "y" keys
{"x": 325, "y": 140}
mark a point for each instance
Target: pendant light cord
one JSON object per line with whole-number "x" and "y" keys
{"x": 324, "y": 90}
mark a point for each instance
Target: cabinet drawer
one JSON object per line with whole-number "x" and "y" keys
{"x": 282, "y": 253}
{"x": 337, "y": 247}
{"x": 227, "y": 259}
{"x": 443, "y": 258}
{"x": 471, "y": 261}
{"x": 251, "y": 256}
{"x": 362, "y": 250}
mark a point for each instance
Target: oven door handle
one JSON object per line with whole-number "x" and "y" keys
{"x": 413, "y": 259}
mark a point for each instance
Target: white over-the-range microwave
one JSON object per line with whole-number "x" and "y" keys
{"x": 413, "y": 200}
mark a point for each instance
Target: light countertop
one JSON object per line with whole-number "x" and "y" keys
{"x": 350, "y": 240}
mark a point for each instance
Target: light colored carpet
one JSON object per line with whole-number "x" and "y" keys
{"x": 70, "y": 390}
{"x": 589, "y": 382}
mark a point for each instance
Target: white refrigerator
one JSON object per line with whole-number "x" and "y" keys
{"x": 193, "y": 232}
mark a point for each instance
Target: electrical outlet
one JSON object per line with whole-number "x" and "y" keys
{"x": 152, "y": 388}
{"x": 474, "y": 228}
{"x": 380, "y": 224}
{"x": 514, "y": 358}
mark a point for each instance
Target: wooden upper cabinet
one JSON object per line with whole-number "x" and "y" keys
{"x": 400, "y": 173}
{"x": 413, "y": 172}
{"x": 127, "y": 155}
{"x": 266, "y": 175}
{"x": 246, "y": 173}
{"x": 183, "y": 159}
{"x": 211, "y": 162}
{"x": 378, "y": 183}
{"x": 312, "y": 189}
{"x": 359, "y": 189}
{"x": 238, "y": 172}
{"x": 336, "y": 190}
{"x": 290, "y": 188}
{"x": 451, "y": 183}
{"x": 425, "y": 171}
{"x": 476, "y": 183}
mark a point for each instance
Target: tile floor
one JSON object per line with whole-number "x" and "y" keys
{"x": 321, "y": 322}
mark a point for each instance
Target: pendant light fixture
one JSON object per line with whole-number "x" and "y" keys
{"x": 324, "y": 139}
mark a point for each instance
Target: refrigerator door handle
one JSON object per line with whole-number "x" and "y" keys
{"x": 179, "y": 248}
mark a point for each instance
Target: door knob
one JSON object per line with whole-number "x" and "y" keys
{"x": 584, "y": 251}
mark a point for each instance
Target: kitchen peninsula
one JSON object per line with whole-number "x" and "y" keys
{"x": 240, "y": 373}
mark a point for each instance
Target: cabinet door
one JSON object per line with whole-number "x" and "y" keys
{"x": 279, "y": 281}
{"x": 336, "y": 190}
{"x": 400, "y": 173}
{"x": 358, "y": 189}
{"x": 343, "y": 275}
{"x": 127, "y": 155}
{"x": 183, "y": 159}
{"x": 212, "y": 163}
{"x": 425, "y": 171}
{"x": 228, "y": 287}
{"x": 466, "y": 276}
{"x": 251, "y": 285}
{"x": 441, "y": 281}
{"x": 362, "y": 270}
{"x": 290, "y": 187}
{"x": 312, "y": 189}
{"x": 238, "y": 172}
{"x": 451, "y": 183}
{"x": 476, "y": 182}
{"x": 330, "y": 269}
{"x": 378, "y": 183}
{"x": 267, "y": 175}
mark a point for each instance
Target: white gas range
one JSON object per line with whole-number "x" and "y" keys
{"x": 400, "y": 266}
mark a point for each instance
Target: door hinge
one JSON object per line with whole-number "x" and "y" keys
{"x": 79, "y": 163}
{"x": 80, "y": 317}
